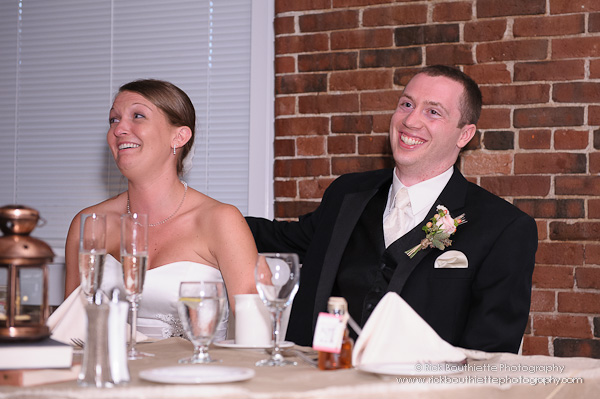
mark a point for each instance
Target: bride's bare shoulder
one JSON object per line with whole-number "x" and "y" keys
{"x": 213, "y": 212}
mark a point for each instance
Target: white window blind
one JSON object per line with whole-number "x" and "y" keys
{"x": 61, "y": 63}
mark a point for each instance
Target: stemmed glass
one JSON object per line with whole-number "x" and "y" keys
{"x": 277, "y": 276}
{"x": 92, "y": 251}
{"x": 134, "y": 257}
{"x": 200, "y": 309}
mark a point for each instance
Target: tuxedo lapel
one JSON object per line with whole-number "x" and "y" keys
{"x": 453, "y": 198}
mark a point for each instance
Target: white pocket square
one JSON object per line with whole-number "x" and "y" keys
{"x": 451, "y": 260}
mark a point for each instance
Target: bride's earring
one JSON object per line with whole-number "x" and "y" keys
{"x": 174, "y": 153}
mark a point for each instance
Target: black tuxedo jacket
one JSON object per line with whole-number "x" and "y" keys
{"x": 484, "y": 306}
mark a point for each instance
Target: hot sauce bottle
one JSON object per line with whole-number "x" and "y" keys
{"x": 338, "y": 306}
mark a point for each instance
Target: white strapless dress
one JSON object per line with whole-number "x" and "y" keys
{"x": 157, "y": 315}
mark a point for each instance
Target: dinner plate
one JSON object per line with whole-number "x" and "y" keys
{"x": 412, "y": 368}
{"x": 230, "y": 343}
{"x": 196, "y": 374}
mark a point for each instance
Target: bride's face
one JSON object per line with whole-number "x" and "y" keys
{"x": 139, "y": 134}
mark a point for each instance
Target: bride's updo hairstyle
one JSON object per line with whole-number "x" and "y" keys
{"x": 173, "y": 102}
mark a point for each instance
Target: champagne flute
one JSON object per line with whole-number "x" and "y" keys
{"x": 134, "y": 257}
{"x": 200, "y": 309}
{"x": 92, "y": 251}
{"x": 277, "y": 277}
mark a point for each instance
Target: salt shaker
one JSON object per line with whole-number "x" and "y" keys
{"x": 95, "y": 369}
{"x": 117, "y": 338}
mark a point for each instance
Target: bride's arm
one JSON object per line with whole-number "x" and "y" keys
{"x": 235, "y": 251}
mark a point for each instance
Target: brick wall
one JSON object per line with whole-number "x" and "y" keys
{"x": 341, "y": 65}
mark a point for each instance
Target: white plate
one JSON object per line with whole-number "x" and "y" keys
{"x": 412, "y": 368}
{"x": 230, "y": 343}
{"x": 196, "y": 374}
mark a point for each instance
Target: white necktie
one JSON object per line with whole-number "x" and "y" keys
{"x": 396, "y": 223}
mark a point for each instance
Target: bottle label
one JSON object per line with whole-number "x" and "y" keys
{"x": 329, "y": 332}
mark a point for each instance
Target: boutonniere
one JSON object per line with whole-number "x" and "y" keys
{"x": 438, "y": 231}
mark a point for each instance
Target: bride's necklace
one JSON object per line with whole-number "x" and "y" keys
{"x": 185, "y": 186}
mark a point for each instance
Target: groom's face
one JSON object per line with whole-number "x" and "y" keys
{"x": 424, "y": 132}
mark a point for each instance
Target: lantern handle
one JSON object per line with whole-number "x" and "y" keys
{"x": 41, "y": 222}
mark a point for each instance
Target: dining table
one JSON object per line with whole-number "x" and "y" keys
{"x": 483, "y": 375}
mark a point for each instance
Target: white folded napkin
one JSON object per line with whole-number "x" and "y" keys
{"x": 395, "y": 333}
{"x": 451, "y": 260}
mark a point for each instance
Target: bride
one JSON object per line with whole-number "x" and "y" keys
{"x": 191, "y": 236}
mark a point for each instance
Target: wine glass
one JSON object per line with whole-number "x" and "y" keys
{"x": 200, "y": 309}
{"x": 134, "y": 257}
{"x": 277, "y": 277}
{"x": 92, "y": 251}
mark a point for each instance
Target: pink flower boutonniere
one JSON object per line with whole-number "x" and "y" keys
{"x": 438, "y": 231}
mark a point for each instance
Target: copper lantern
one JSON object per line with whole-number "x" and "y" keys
{"x": 24, "y": 307}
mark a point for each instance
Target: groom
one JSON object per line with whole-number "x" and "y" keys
{"x": 474, "y": 292}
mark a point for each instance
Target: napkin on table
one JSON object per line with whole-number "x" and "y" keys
{"x": 395, "y": 333}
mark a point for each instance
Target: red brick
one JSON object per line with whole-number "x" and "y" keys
{"x": 543, "y": 300}
{"x": 579, "y": 47}
{"x": 301, "y": 167}
{"x": 388, "y": 58}
{"x": 426, "y": 34}
{"x": 593, "y": 115}
{"x": 351, "y": 124}
{"x": 285, "y": 188}
{"x": 571, "y": 139}
{"x": 579, "y": 302}
{"x": 362, "y": 38}
{"x": 301, "y": 43}
{"x": 594, "y": 210}
{"x": 284, "y": 25}
{"x": 374, "y": 145}
{"x": 355, "y": 3}
{"x": 499, "y": 140}
{"x": 536, "y": 346}
{"x": 301, "y": 83}
{"x": 550, "y": 70}
{"x": 521, "y": 94}
{"x": 381, "y": 123}
{"x": 543, "y": 163}
{"x": 582, "y": 231}
{"x": 341, "y": 144}
{"x": 494, "y": 8}
{"x": 552, "y": 208}
{"x": 485, "y": 31}
{"x": 473, "y": 144}
{"x": 512, "y": 51}
{"x": 508, "y": 186}
{"x": 298, "y": 126}
{"x": 341, "y": 165}
{"x": 336, "y": 20}
{"x": 552, "y": 276}
{"x": 592, "y": 254}
{"x": 588, "y": 277}
{"x": 570, "y": 6}
{"x": 549, "y": 26}
{"x": 568, "y": 347}
{"x": 395, "y": 15}
{"x": 450, "y": 54}
{"x": 478, "y": 163}
{"x": 453, "y": 11}
{"x": 595, "y": 66}
{"x": 542, "y": 228}
{"x": 488, "y": 73}
{"x": 559, "y": 253}
{"x": 285, "y": 148}
{"x": 293, "y": 209}
{"x": 285, "y": 65}
{"x": 494, "y": 118}
{"x": 548, "y": 117}
{"x": 282, "y": 6}
{"x": 577, "y": 92}
{"x": 594, "y": 22}
{"x": 310, "y": 146}
{"x": 535, "y": 139}
{"x": 327, "y": 61}
{"x": 328, "y": 103}
{"x": 361, "y": 80}
{"x": 313, "y": 188}
{"x": 379, "y": 101}
{"x": 577, "y": 185}
{"x": 562, "y": 326}
{"x": 285, "y": 105}
{"x": 403, "y": 75}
